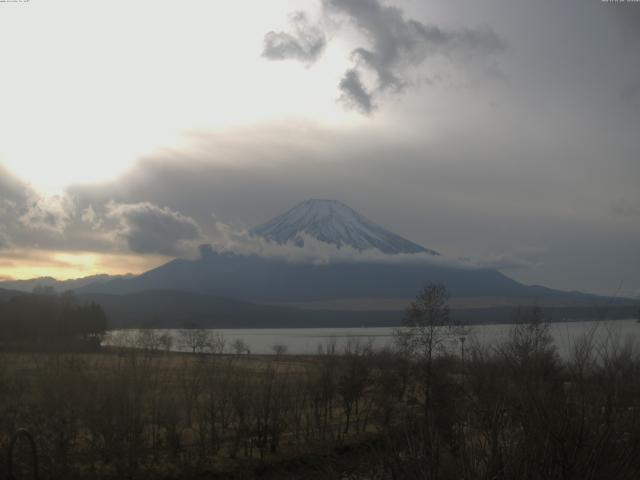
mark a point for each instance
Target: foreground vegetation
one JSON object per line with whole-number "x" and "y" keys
{"x": 514, "y": 410}
{"x": 47, "y": 321}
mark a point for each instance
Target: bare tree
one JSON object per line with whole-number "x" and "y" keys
{"x": 279, "y": 350}
{"x": 354, "y": 378}
{"x": 148, "y": 340}
{"x": 239, "y": 346}
{"x": 216, "y": 342}
{"x": 426, "y": 329}
{"x": 427, "y": 324}
{"x": 198, "y": 340}
{"x": 166, "y": 341}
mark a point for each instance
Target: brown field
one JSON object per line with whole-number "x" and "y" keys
{"x": 513, "y": 411}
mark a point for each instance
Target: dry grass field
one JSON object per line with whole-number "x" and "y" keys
{"x": 513, "y": 410}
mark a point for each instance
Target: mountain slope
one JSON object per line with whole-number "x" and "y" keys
{"x": 335, "y": 223}
{"x": 258, "y": 279}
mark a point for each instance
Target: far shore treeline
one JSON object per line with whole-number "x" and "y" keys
{"x": 45, "y": 320}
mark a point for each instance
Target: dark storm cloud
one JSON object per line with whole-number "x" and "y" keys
{"x": 627, "y": 16}
{"x": 545, "y": 224}
{"x": 395, "y": 45}
{"x": 28, "y": 217}
{"x": 626, "y": 209}
{"x": 5, "y": 241}
{"x": 306, "y": 43}
{"x": 50, "y": 214}
{"x": 397, "y": 42}
{"x": 30, "y": 220}
{"x": 6, "y": 217}
{"x": 12, "y": 189}
{"x": 90, "y": 217}
{"x": 354, "y": 93}
{"x": 148, "y": 228}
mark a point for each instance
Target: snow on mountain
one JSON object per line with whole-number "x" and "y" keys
{"x": 335, "y": 223}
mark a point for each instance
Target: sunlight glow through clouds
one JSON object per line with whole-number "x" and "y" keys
{"x": 65, "y": 266}
{"x": 91, "y": 87}
{"x": 82, "y": 100}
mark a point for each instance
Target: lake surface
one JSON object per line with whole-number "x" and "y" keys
{"x": 307, "y": 340}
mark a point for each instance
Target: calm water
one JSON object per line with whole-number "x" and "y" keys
{"x": 307, "y": 340}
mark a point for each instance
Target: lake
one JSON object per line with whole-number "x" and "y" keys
{"x": 307, "y": 340}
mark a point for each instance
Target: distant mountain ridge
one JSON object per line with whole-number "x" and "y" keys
{"x": 335, "y": 223}
{"x": 59, "y": 285}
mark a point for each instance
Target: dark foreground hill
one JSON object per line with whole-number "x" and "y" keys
{"x": 6, "y": 294}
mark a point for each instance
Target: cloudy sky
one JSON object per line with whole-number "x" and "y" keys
{"x": 502, "y": 132}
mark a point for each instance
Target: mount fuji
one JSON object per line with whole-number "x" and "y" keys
{"x": 333, "y": 222}
{"x": 268, "y": 290}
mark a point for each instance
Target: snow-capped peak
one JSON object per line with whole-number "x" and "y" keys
{"x": 334, "y": 222}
